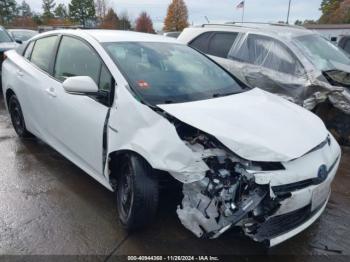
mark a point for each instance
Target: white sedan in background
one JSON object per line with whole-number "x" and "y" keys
{"x": 129, "y": 108}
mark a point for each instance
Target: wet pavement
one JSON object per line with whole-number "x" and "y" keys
{"x": 49, "y": 206}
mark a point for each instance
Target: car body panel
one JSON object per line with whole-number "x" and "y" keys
{"x": 67, "y": 117}
{"x": 153, "y": 137}
{"x": 35, "y": 80}
{"x": 8, "y": 46}
{"x": 281, "y": 238}
{"x": 229, "y": 119}
{"x": 5, "y": 46}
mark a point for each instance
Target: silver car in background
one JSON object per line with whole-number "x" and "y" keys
{"x": 6, "y": 43}
{"x": 22, "y": 35}
{"x": 295, "y": 63}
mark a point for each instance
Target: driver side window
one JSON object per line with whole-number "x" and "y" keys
{"x": 76, "y": 58}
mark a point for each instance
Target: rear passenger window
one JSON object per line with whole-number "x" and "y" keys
{"x": 43, "y": 52}
{"x": 75, "y": 58}
{"x": 221, "y": 43}
{"x": 29, "y": 50}
{"x": 201, "y": 42}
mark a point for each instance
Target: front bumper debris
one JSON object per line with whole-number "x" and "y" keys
{"x": 265, "y": 199}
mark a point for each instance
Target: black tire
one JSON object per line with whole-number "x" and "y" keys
{"x": 137, "y": 193}
{"x": 17, "y": 118}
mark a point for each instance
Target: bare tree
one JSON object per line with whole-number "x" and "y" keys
{"x": 101, "y": 7}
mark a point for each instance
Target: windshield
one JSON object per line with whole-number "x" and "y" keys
{"x": 322, "y": 53}
{"x": 23, "y": 35}
{"x": 170, "y": 73}
{"x": 4, "y": 36}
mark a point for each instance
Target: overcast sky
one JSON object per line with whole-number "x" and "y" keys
{"x": 216, "y": 10}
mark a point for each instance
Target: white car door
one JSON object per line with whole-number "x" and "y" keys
{"x": 77, "y": 122}
{"x": 32, "y": 76}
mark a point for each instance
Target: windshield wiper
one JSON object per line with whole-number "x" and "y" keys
{"x": 224, "y": 94}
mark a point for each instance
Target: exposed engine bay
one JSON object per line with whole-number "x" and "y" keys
{"x": 228, "y": 196}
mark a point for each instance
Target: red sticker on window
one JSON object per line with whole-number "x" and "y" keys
{"x": 143, "y": 84}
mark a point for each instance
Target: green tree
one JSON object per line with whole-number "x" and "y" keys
{"x": 37, "y": 19}
{"x": 328, "y": 5}
{"x": 305, "y": 22}
{"x": 61, "y": 11}
{"x": 298, "y": 22}
{"x": 24, "y": 9}
{"x": 124, "y": 21}
{"x": 309, "y": 22}
{"x": 111, "y": 20}
{"x": 177, "y": 16}
{"x": 82, "y": 11}
{"x": 328, "y": 8}
{"x": 48, "y": 7}
{"x": 8, "y": 9}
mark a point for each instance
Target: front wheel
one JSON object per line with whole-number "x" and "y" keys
{"x": 17, "y": 117}
{"x": 137, "y": 193}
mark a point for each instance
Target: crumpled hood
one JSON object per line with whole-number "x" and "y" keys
{"x": 255, "y": 125}
{"x": 7, "y": 46}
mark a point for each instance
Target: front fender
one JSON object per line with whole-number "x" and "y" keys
{"x": 135, "y": 127}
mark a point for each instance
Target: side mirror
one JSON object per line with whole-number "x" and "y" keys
{"x": 80, "y": 85}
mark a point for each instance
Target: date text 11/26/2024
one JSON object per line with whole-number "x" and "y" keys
{"x": 173, "y": 258}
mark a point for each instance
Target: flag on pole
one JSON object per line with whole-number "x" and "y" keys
{"x": 240, "y": 5}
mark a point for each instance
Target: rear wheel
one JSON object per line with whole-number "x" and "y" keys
{"x": 137, "y": 193}
{"x": 17, "y": 117}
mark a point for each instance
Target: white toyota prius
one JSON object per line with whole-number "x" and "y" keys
{"x": 131, "y": 108}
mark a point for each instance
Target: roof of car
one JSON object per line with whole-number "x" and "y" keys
{"x": 21, "y": 30}
{"x": 327, "y": 26}
{"x": 116, "y": 35}
{"x": 276, "y": 29}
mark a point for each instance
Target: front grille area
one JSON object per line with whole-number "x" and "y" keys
{"x": 288, "y": 188}
{"x": 282, "y": 224}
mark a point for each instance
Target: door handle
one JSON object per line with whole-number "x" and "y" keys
{"x": 51, "y": 92}
{"x": 20, "y": 73}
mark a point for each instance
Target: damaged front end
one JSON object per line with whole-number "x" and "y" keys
{"x": 228, "y": 196}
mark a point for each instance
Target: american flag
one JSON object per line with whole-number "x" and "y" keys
{"x": 240, "y": 5}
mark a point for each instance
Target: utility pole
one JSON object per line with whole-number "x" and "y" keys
{"x": 288, "y": 11}
{"x": 243, "y": 12}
